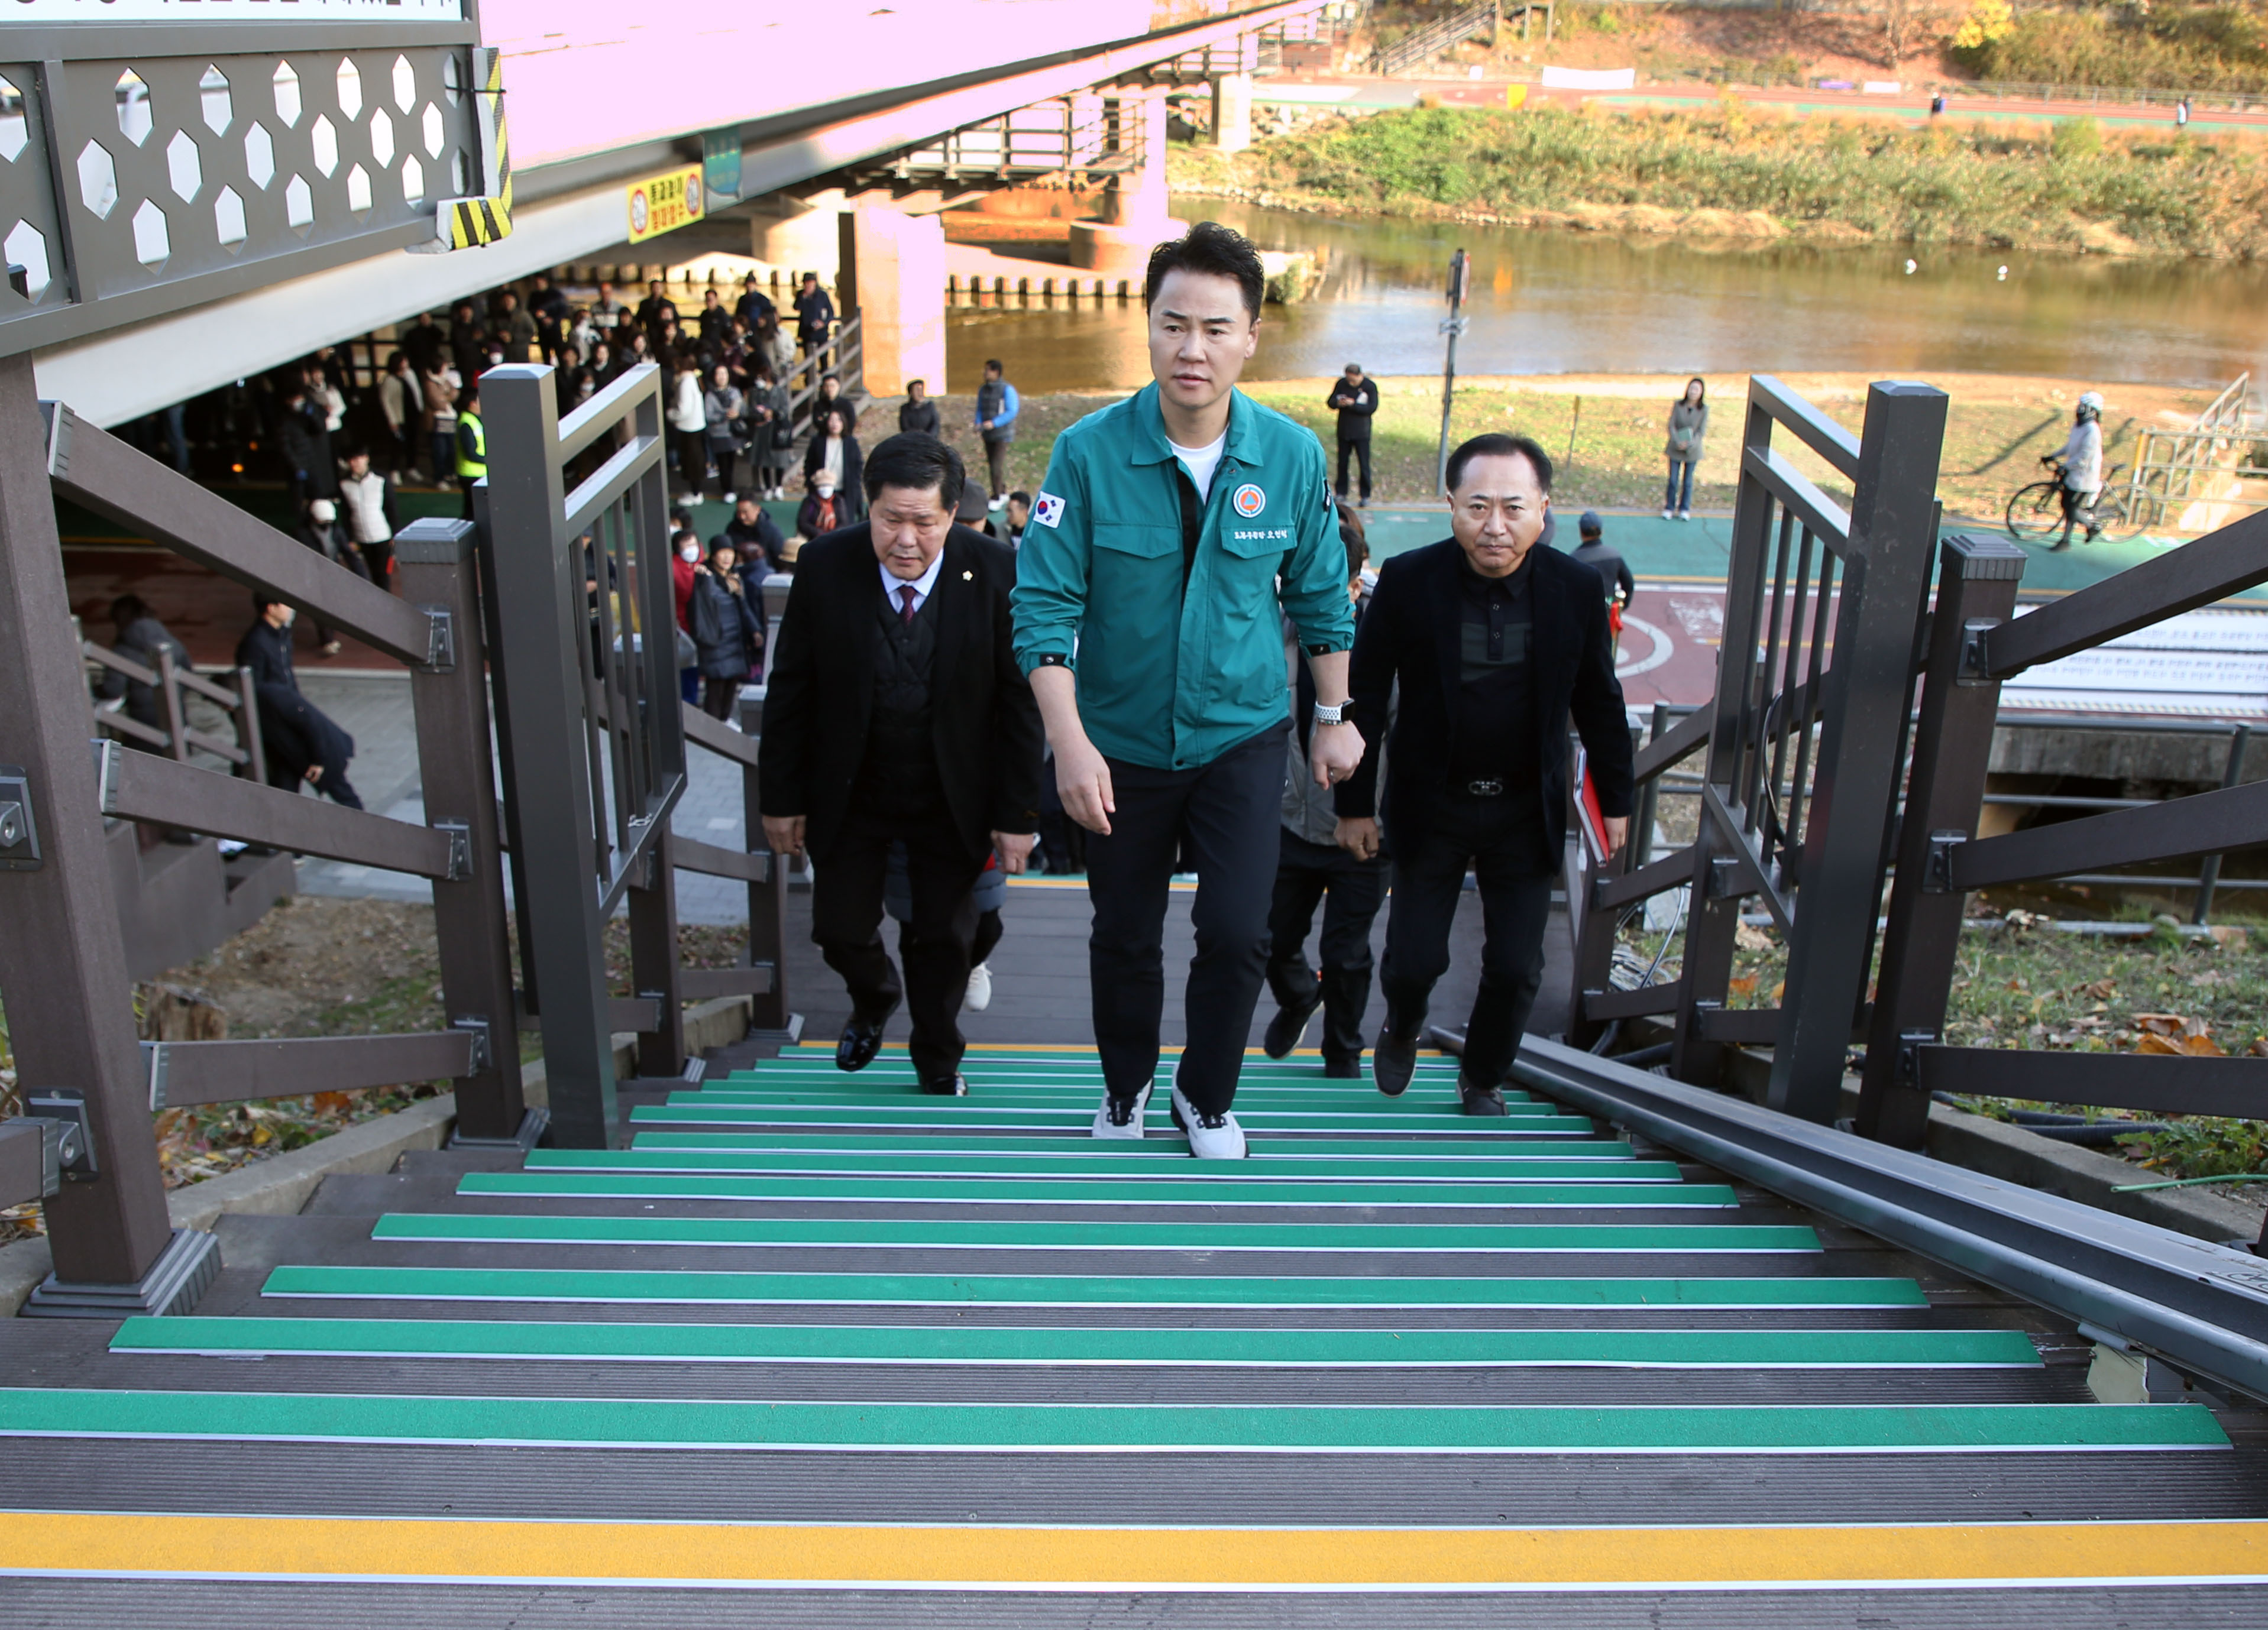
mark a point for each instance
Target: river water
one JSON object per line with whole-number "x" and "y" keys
{"x": 1570, "y": 302}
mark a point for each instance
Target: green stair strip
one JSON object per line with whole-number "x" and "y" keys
{"x": 1084, "y": 1099}
{"x": 689, "y": 1423}
{"x": 1429, "y": 1154}
{"x": 1421, "y": 1119}
{"x": 1083, "y": 1089}
{"x": 867, "y": 1344}
{"x": 1071, "y": 1291}
{"x": 1048, "y": 1235}
{"x": 1263, "y": 1167}
{"x": 1178, "y": 1190}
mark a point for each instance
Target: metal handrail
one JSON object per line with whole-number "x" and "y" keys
{"x": 1435, "y": 38}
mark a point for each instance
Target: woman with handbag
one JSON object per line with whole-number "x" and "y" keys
{"x": 726, "y": 631}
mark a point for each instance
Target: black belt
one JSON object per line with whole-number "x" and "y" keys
{"x": 1488, "y": 788}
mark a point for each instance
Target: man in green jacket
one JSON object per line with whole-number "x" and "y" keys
{"x": 1174, "y": 532}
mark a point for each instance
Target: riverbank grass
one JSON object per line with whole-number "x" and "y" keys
{"x": 1745, "y": 171}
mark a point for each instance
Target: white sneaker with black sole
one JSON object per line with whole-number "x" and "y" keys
{"x": 1211, "y": 1137}
{"x": 1121, "y": 1117}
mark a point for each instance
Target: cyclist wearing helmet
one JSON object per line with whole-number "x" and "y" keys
{"x": 2081, "y": 459}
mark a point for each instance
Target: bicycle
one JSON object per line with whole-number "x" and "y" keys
{"x": 2036, "y": 512}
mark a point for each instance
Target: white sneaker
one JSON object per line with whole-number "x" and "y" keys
{"x": 980, "y": 989}
{"x": 1685, "y": 515}
{"x": 1669, "y": 515}
{"x": 1211, "y": 1137}
{"x": 728, "y": 500}
{"x": 1107, "y": 1121}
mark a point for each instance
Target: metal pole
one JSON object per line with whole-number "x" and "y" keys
{"x": 2209, "y": 872}
{"x": 1452, "y": 325}
{"x": 1649, "y": 797}
{"x": 457, "y": 768}
{"x": 1976, "y": 584}
{"x": 63, "y": 958}
{"x": 545, "y": 646}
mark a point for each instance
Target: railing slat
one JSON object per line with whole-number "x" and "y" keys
{"x": 2204, "y": 823}
{"x": 2159, "y": 1083}
{"x": 238, "y": 1071}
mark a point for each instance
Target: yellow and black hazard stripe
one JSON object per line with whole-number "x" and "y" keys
{"x": 473, "y": 223}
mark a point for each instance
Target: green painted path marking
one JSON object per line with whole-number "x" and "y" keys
{"x": 1150, "y": 1191}
{"x": 958, "y": 1233}
{"x": 1272, "y": 1168}
{"x": 1071, "y": 1291}
{"x": 920, "y": 1344}
{"x": 688, "y": 1423}
{"x": 1421, "y": 1118}
{"x": 1429, "y": 1153}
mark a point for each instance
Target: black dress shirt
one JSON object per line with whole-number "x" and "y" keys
{"x": 1495, "y": 734}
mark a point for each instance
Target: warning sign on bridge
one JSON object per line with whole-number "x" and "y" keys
{"x": 662, "y": 204}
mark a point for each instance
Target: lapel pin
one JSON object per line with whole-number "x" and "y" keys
{"x": 969, "y": 576}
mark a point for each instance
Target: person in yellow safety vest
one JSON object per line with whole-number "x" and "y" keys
{"x": 472, "y": 444}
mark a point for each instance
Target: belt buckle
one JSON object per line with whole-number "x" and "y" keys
{"x": 1484, "y": 789}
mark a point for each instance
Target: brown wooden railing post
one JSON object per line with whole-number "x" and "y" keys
{"x": 653, "y": 907}
{"x": 1977, "y": 584}
{"x": 62, "y": 961}
{"x": 436, "y": 561}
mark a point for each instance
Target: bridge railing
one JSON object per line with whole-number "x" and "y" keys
{"x": 1803, "y": 741}
{"x": 1977, "y": 642}
{"x": 1423, "y": 45}
{"x": 594, "y": 739}
{"x": 62, "y": 968}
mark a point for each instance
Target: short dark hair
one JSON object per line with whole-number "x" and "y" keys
{"x": 917, "y": 462}
{"x": 1358, "y": 552}
{"x": 1497, "y": 445}
{"x": 1215, "y": 251}
{"x": 127, "y": 608}
{"x": 1020, "y": 496}
{"x": 677, "y": 538}
{"x": 262, "y": 598}
{"x": 992, "y": 365}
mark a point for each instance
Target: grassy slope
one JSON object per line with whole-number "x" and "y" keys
{"x": 1760, "y": 173}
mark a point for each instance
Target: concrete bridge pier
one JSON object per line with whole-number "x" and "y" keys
{"x": 1136, "y": 212}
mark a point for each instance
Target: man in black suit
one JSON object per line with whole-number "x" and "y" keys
{"x": 1495, "y": 642}
{"x": 896, "y": 712}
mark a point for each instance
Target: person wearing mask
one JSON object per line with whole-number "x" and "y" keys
{"x": 754, "y": 303}
{"x": 2081, "y": 458}
{"x": 688, "y": 425}
{"x": 722, "y": 407}
{"x": 815, "y": 315}
{"x": 996, "y": 408}
{"x": 303, "y": 745}
{"x": 917, "y": 414}
{"x": 438, "y": 391}
{"x": 771, "y": 429}
{"x": 726, "y": 629}
{"x": 833, "y": 458}
{"x": 753, "y": 532}
{"x": 1173, "y": 532}
{"x": 1494, "y": 645}
{"x": 1688, "y": 423}
{"x": 1614, "y": 571}
{"x": 1311, "y": 871}
{"x": 819, "y": 514}
{"x": 516, "y": 327}
{"x": 367, "y": 497}
{"x": 138, "y": 637}
{"x": 472, "y": 453}
{"x": 1355, "y": 400}
{"x": 399, "y": 402}
{"x": 684, "y": 572}
{"x": 895, "y": 714}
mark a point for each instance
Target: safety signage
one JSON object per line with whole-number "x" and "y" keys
{"x": 662, "y": 204}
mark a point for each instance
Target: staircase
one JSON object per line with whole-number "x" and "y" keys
{"x": 900, "y": 1360}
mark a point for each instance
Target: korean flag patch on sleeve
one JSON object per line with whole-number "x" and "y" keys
{"x": 1047, "y": 509}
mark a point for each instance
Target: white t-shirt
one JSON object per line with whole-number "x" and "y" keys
{"x": 1200, "y": 462}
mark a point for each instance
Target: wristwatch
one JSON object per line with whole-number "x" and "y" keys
{"x": 1333, "y": 715}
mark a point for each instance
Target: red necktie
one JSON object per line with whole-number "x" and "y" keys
{"x": 906, "y": 604}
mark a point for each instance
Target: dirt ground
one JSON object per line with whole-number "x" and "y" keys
{"x": 1780, "y": 46}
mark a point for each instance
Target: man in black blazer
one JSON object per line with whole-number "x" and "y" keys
{"x": 1495, "y": 642}
{"x": 896, "y": 712}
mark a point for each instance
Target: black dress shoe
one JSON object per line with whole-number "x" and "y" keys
{"x": 947, "y": 1086}
{"x": 1393, "y": 1060}
{"x": 1343, "y": 1070}
{"x": 1289, "y": 1028}
{"x": 1480, "y": 1100}
{"x": 861, "y": 1039}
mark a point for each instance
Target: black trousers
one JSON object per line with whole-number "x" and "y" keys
{"x": 846, "y": 921}
{"x": 996, "y": 467}
{"x": 1498, "y": 838}
{"x": 1361, "y": 449}
{"x": 1229, "y": 813}
{"x": 1350, "y": 892}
